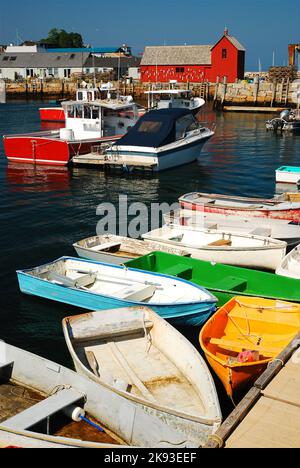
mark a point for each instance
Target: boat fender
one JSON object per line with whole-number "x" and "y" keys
{"x": 75, "y": 413}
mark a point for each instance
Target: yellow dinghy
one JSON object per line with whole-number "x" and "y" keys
{"x": 245, "y": 335}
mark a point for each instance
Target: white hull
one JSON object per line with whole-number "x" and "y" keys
{"x": 234, "y": 249}
{"x": 179, "y": 153}
{"x": 290, "y": 265}
{"x": 268, "y": 227}
{"x": 140, "y": 356}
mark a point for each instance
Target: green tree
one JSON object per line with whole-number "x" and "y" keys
{"x": 59, "y": 38}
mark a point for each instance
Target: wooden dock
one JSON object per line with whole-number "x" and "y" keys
{"x": 269, "y": 415}
{"x": 266, "y": 110}
{"x": 105, "y": 163}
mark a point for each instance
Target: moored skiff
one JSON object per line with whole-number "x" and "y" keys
{"x": 245, "y": 335}
{"x": 141, "y": 357}
{"x": 241, "y": 206}
{"x": 99, "y": 286}
{"x": 220, "y": 246}
{"x": 223, "y": 281}
{"x": 117, "y": 249}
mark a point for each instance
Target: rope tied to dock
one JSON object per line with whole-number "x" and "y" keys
{"x": 217, "y": 439}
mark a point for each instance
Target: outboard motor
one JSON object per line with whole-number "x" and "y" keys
{"x": 285, "y": 115}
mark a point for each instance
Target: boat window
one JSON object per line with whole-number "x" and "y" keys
{"x": 185, "y": 124}
{"x": 87, "y": 112}
{"x": 150, "y": 127}
{"x": 95, "y": 113}
{"x": 78, "y": 112}
{"x": 70, "y": 112}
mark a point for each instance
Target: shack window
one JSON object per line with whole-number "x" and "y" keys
{"x": 79, "y": 96}
{"x": 179, "y": 69}
{"x": 224, "y": 53}
{"x": 150, "y": 127}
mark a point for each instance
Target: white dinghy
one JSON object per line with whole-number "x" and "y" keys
{"x": 43, "y": 403}
{"x": 118, "y": 250}
{"x": 290, "y": 265}
{"x": 138, "y": 355}
{"x": 281, "y": 229}
{"x": 223, "y": 246}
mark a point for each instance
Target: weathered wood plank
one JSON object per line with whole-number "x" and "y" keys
{"x": 270, "y": 424}
{"x": 234, "y": 419}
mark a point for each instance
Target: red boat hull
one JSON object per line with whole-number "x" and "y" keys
{"x": 54, "y": 114}
{"x": 291, "y": 215}
{"x": 46, "y": 149}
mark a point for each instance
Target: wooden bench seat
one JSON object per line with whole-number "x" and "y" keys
{"x": 231, "y": 283}
{"x": 241, "y": 345}
{"x": 136, "y": 292}
{"x": 180, "y": 270}
{"x": 80, "y": 282}
{"x": 106, "y": 247}
{"x": 41, "y": 411}
{"x": 220, "y": 242}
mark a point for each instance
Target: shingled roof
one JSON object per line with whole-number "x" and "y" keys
{"x": 233, "y": 41}
{"x": 177, "y": 55}
{"x": 42, "y": 60}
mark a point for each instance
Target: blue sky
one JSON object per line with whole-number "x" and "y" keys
{"x": 261, "y": 26}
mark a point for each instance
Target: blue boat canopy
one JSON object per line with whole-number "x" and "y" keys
{"x": 160, "y": 127}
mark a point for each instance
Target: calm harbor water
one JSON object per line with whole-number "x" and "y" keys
{"x": 44, "y": 210}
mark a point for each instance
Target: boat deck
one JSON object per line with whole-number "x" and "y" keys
{"x": 159, "y": 378}
{"x": 15, "y": 398}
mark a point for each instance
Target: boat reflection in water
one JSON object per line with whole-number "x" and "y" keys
{"x": 29, "y": 178}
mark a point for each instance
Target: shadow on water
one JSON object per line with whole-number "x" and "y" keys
{"x": 45, "y": 210}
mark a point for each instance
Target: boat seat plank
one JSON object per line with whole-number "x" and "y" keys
{"x": 80, "y": 282}
{"x": 120, "y": 358}
{"x": 43, "y": 410}
{"x": 136, "y": 292}
{"x": 241, "y": 345}
{"x": 106, "y": 247}
{"x": 113, "y": 329}
{"x": 220, "y": 242}
{"x": 232, "y": 283}
{"x": 180, "y": 270}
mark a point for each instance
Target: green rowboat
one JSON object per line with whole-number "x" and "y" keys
{"x": 224, "y": 281}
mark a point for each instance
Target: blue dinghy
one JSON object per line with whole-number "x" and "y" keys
{"x": 100, "y": 286}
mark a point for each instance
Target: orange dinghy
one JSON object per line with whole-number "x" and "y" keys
{"x": 245, "y": 335}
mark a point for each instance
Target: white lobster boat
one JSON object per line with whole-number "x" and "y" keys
{"x": 222, "y": 246}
